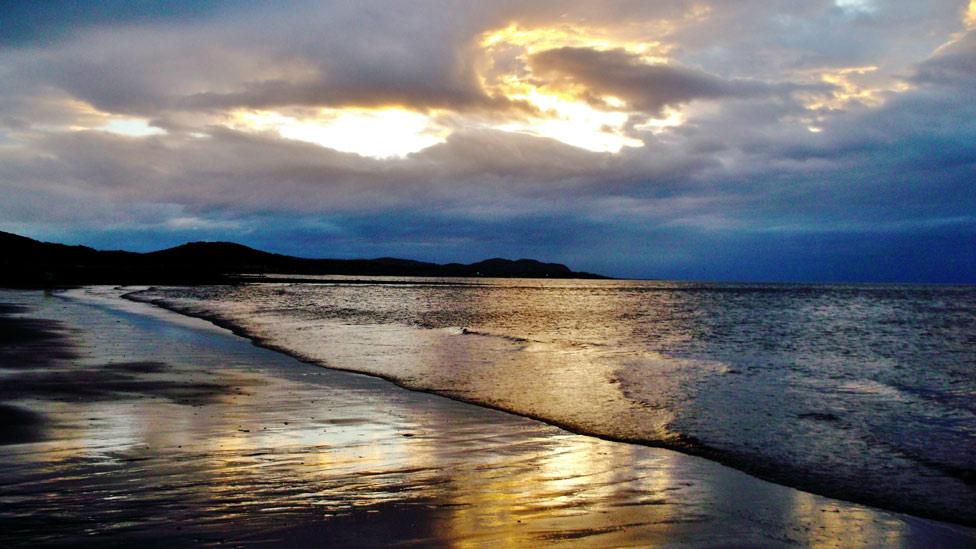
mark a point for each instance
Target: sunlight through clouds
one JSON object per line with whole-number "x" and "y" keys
{"x": 133, "y": 127}
{"x": 856, "y": 6}
{"x": 476, "y": 124}
{"x": 568, "y": 113}
{"x": 377, "y": 133}
{"x": 571, "y": 121}
{"x": 571, "y": 114}
{"x": 546, "y": 38}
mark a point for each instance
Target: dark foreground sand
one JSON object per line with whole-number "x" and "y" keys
{"x": 123, "y": 424}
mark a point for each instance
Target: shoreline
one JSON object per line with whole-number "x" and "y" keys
{"x": 271, "y": 451}
{"x": 683, "y": 445}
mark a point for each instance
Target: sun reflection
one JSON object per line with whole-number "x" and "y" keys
{"x": 378, "y": 133}
{"x": 274, "y": 448}
{"x": 969, "y": 18}
{"x": 553, "y": 484}
{"x": 856, "y": 526}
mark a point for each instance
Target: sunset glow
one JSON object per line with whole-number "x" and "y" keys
{"x": 690, "y": 241}
{"x": 569, "y": 113}
{"x": 563, "y": 112}
{"x": 441, "y": 130}
{"x": 534, "y": 40}
{"x": 134, "y": 127}
{"x": 378, "y": 133}
{"x": 571, "y": 121}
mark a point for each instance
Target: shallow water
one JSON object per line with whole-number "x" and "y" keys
{"x": 861, "y": 392}
{"x": 162, "y": 432}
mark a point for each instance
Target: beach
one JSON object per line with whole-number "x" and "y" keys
{"x": 123, "y": 423}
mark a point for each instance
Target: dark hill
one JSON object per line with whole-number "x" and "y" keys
{"x": 528, "y": 268}
{"x": 28, "y": 262}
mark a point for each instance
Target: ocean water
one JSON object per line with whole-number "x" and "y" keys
{"x": 862, "y": 392}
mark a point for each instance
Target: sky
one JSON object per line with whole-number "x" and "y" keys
{"x": 754, "y": 140}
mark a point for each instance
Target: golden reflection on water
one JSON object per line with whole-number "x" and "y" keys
{"x": 834, "y": 526}
{"x": 286, "y": 445}
{"x": 507, "y": 483}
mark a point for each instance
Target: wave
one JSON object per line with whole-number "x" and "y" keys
{"x": 765, "y": 421}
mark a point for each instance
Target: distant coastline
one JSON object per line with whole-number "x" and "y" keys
{"x": 25, "y": 262}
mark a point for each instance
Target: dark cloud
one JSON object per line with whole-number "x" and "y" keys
{"x": 645, "y": 87}
{"x": 954, "y": 64}
{"x": 322, "y": 55}
{"x": 882, "y": 190}
{"x": 327, "y": 93}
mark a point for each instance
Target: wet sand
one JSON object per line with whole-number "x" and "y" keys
{"x": 121, "y": 423}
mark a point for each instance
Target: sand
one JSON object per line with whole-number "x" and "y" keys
{"x": 121, "y": 423}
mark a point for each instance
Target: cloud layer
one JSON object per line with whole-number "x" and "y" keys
{"x": 760, "y": 140}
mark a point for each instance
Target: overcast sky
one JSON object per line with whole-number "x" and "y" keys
{"x": 827, "y": 140}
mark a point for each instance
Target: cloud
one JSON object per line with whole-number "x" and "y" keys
{"x": 953, "y": 64}
{"x": 328, "y": 54}
{"x": 766, "y": 156}
{"x": 646, "y": 87}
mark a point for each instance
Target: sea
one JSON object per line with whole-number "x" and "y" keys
{"x": 860, "y": 392}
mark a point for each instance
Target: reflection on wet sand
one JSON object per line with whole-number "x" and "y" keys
{"x": 832, "y": 524}
{"x": 255, "y": 448}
